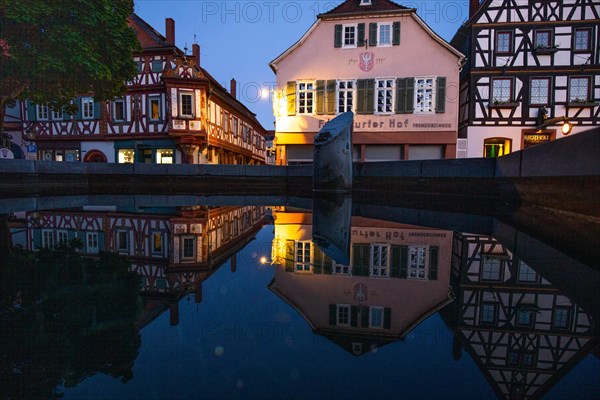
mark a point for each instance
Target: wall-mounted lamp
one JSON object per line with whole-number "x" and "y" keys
{"x": 543, "y": 122}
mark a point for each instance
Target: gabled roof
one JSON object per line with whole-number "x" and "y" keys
{"x": 349, "y": 7}
{"x": 148, "y": 37}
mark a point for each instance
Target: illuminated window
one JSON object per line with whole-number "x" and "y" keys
{"x": 496, "y": 147}
{"x": 164, "y": 156}
{"x": 303, "y": 256}
{"x": 154, "y": 108}
{"x": 126, "y": 156}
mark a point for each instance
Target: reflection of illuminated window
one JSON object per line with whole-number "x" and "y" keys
{"x": 496, "y": 147}
{"x": 157, "y": 243}
{"x": 417, "y": 267}
{"x": 164, "y": 156}
{"x": 62, "y": 237}
{"x": 339, "y": 269}
{"x": 525, "y": 317}
{"x": 526, "y": 273}
{"x": 561, "y": 318}
{"x": 122, "y": 238}
{"x": 491, "y": 267}
{"x": 303, "y": 256}
{"x": 528, "y": 359}
{"x": 343, "y": 314}
{"x": 513, "y": 358}
{"x": 126, "y": 156}
{"x": 47, "y": 238}
{"x": 379, "y": 259}
{"x": 91, "y": 242}
{"x": 376, "y": 317}
{"x": 489, "y": 312}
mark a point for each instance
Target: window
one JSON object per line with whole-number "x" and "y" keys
{"x": 540, "y": 91}
{"x": 384, "y": 35}
{"x": 516, "y": 358}
{"x": 41, "y": 112}
{"x": 186, "y": 104}
{"x": 526, "y": 273}
{"x": 188, "y": 248}
{"x": 343, "y": 314}
{"x": 501, "y": 90}
{"x": 513, "y": 358}
{"x": 582, "y": 39}
{"x": 126, "y": 156}
{"x": 525, "y": 317}
{"x": 345, "y": 95}
{"x": 119, "y": 110}
{"x": 528, "y": 359}
{"x": 417, "y": 267}
{"x": 579, "y": 89}
{"x": 489, "y": 313}
{"x": 424, "y": 95}
{"x": 303, "y": 256}
{"x": 306, "y": 94}
{"x": 140, "y": 66}
{"x": 543, "y": 39}
{"x": 157, "y": 243}
{"x": 504, "y": 42}
{"x": 122, "y": 241}
{"x": 491, "y": 267}
{"x": 57, "y": 115}
{"x": 87, "y": 108}
{"x": 154, "y": 111}
{"x": 339, "y": 269}
{"x": 91, "y": 242}
{"x": 376, "y": 317}
{"x": 164, "y": 156}
{"x": 47, "y": 238}
{"x": 62, "y": 237}
{"x": 235, "y": 128}
{"x": 349, "y": 38}
{"x": 561, "y": 318}
{"x": 226, "y": 126}
{"x": 380, "y": 260}
{"x": 157, "y": 66}
{"x": 496, "y": 147}
{"x": 385, "y": 96}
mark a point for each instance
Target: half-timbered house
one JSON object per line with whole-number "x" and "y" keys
{"x": 529, "y": 63}
{"x": 173, "y": 111}
{"x": 523, "y": 333}
{"x": 368, "y": 57}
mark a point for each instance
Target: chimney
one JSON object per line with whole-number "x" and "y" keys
{"x": 473, "y": 7}
{"x": 196, "y": 53}
{"x": 233, "y": 89}
{"x": 170, "y": 27}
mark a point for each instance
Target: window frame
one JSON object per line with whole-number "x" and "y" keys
{"x": 482, "y": 313}
{"x": 548, "y": 92}
{"x": 377, "y": 90}
{"x": 390, "y": 25}
{"x": 589, "y": 84}
{"x": 118, "y": 244}
{"x": 520, "y": 275}
{"x": 568, "y": 319}
{"x": 161, "y": 235}
{"x": 375, "y": 271}
{"x": 301, "y": 264}
{"x": 348, "y": 27}
{"x": 123, "y": 104}
{"x": 194, "y": 241}
{"x": 382, "y": 316}
{"x": 550, "y": 33}
{"x": 425, "y": 263}
{"x": 158, "y": 99}
{"x": 307, "y": 92}
{"x": 589, "y": 39}
{"x": 339, "y": 91}
{"x": 87, "y": 108}
{"x": 48, "y": 241}
{"x": 340, "y": 269}
{"x": 525, "y": 324}
{"x": 433, "y": 94}
{"x": 501, "y": 265}
{"x": 180, "y": 95}
{"x": 493, "y": 97}
{"x": 62, "y": 232}
{"x": 338, "y": 315}
{"x": 510, "y": 41}
{"x": 88, "y": 248}
{"x": 42, "y": 112}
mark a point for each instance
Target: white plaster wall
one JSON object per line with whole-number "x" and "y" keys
{"x": 107, "y": 148}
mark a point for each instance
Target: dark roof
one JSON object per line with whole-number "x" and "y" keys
{"x": 146, "y": 34}
{"x": 354, "y": 7}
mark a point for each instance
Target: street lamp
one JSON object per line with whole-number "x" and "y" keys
{"x": 543, "y": 122}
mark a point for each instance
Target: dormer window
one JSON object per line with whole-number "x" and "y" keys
{"x": 365, "y": 3}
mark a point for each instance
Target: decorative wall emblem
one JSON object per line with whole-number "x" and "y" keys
{"x": 367, "y": 61}
{"x": 360, "y": 292}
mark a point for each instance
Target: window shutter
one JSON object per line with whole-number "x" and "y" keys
{"x": 98, "y": 110}
{"x": 332, "y": 314}
{"x": 403, "y": 262}
{"x": 395, "y": 270}
{"x": 31, "y": 115}
{"x": 291, "y": 98}
{"x": 387, "y": 318}
{"x": 79, "y": 113}
{"x": 400, "y": 96}
{"x": 289, "y": 255}
{"x": 373, "y": 34}
{"x": 337, "y": 38}
{"x": 354, "y": 316}
{"x": 66, "y": 115}
{"x": 360, "y": 259}
{"x": 396, "y": 34}
{"x": 331, "y": 86}
{"x": 361, "y": 104}
{"x": 364, "y": 316}
{"x": 317, "y": 259}
{"x": 440, "y": 101}
{"x": 361, "y": 35}
{"x": 370, "y": 93}
{"x": 433, "y": 263}
{"x": 410, "y": 95}
{"x": 320, "y": 97}
{"x": 100, "y": 241}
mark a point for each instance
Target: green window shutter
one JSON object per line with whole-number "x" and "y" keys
{"x": 364, "y": 316}
{"x": 353, "y": 316}
{"x": 320, "y": 97}
{"x": 395, "y": 269}
{"x": 433, "y": 263}
{"x": 66, "y": 115}
{"x": 317, "y": 259}
{"x": 337, "y": 38}
{"x": 373, "y": 34}
{"x": 396, "y": 34}
{"x": 400, "y": 96}
{"x": 31, "y": 114}
{"x": 361, "y": 35}
{"x": 291, "y": 98}
{"x": 37, "y": 238}
{"x": 403, "y": 262}
{"x": 290, "y": 247}
{"x": 97, "y": 110}
{"x": 410, "y": 95}
{"x": 332, "y": 314}
{"x": 387, "y": 318}
{"x": 370, "y": 93}
{"x": 360, "y": 259}
{"x": 79, "y": 113}
{"x": 361, "y": 97}
{"x": 100, "y": 241}
{"x": 327, "y": 265}
{"x": 331, "y": 101}
{"x": 440, "y": 101}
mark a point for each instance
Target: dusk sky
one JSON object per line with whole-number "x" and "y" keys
{"x": 238, "y": 39}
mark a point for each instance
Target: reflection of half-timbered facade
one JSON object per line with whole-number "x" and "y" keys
{"x": 398, "y": 276}
{"x": 173, "y": 250}
{"x": 174, "y": 111}
{"x": 526, "y": 58}
{"x": 523, "y": 333}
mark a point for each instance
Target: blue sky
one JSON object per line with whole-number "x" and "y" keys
{"x": 238, "y": 39}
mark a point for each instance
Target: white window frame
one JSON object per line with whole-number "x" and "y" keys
{"x": 157, "y": 99}
{"x": 422, "y": 91}
{"x": 123, "y": 104}
{"x": 381, "y": 268}
{"x": 194, "y": 254}
{"x": 348, "y": 27}
{"x": 342, "y": 310}
{"x": 372, "y": 323}
{"x": 386, "y": 89}
{"x": 95, "y": 247}
{"x": 57, "y": 115}
{"x": 181, "y": 95}
{"x": 62, "y": 236}
{"x": 118, "y": 244}
{"x": 380, "y": 43}
{"x": 418, "y": 261}
{"x": 47, "y": 238}
{"x": 341, "y": 94}
{"x": 87, "y": 108}
{"x": 310, "y": 94}
{"x": 303, "y": 260}
{"x": 340, "y": 269}
{"x": 41, "y": 112}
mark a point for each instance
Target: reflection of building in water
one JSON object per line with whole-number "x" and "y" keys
{"x": 523, "y": 333}
{"x": 173, "y": 250}
{"x": 398, "y": 276}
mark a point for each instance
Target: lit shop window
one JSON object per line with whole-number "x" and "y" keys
{"x": 126, "y": 156}
{"x": 164, "y": 156}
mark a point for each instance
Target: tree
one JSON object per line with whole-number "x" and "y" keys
{"x": 54, "y": 50}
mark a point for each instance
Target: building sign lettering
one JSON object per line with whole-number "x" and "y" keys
{"x": 392, "y": 123}
{"x": 536, "y": 138}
